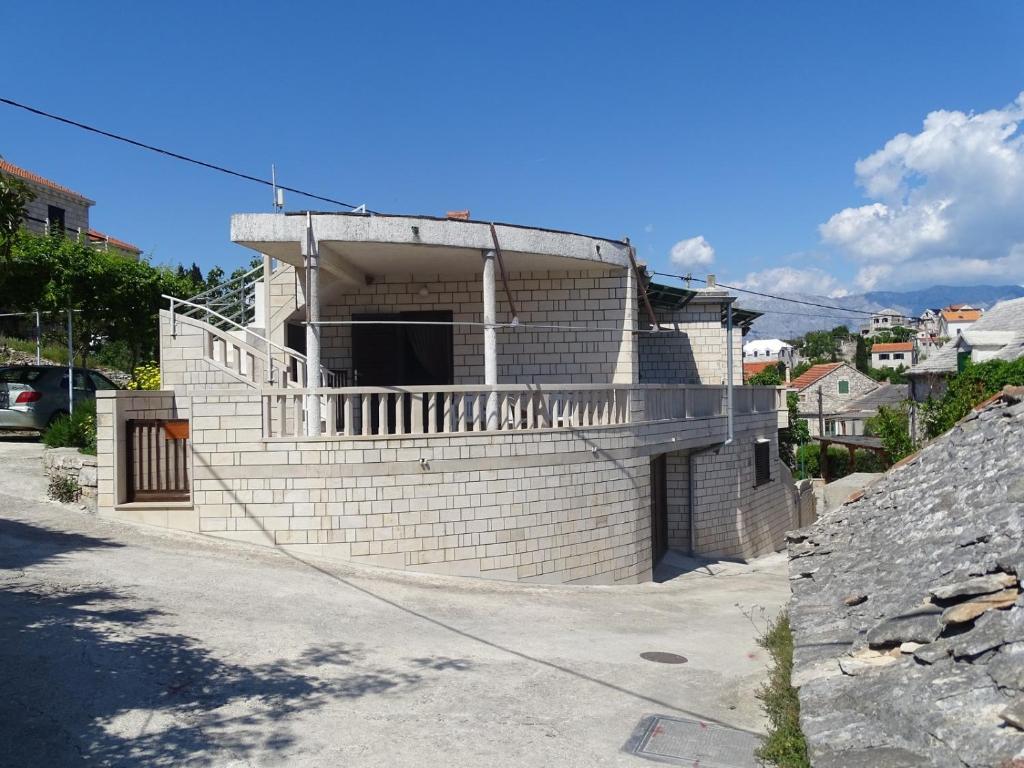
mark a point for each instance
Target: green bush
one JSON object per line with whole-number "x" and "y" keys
{"x": 976, "y": 383}
{"x": 785, "y": 746}
{"x": 838, "y": 461}
{"x": 145, "y": 377}
{"x": 77, "y": 430}
{"x": 64, "y": 489}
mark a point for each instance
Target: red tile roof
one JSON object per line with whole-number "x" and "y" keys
{"x": 963, "y": 315}
{"x": 11, "y": 168}
{"x": 98, "y": 237}
{"x": 896, "y": 346}
{"x": 812, "y": 374}
{"x": 752, "y": 369}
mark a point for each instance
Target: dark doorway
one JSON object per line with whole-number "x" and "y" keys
{"x": 295, "y": 338}
{"x": 659, "y": 508}
{"x": 386, "y": 354}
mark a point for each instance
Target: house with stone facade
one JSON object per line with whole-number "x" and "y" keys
{"x": 58, "y": 208}
{"x": 827, "y": 390}
{"x": 452, "y": 396}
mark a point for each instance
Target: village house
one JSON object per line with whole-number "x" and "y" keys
{"x": 956, "y": 319}
{"x": 996, "y": 335}
{"x": 774, "y": 350}
{"x": 57, "y": 208}
{"x": 899, "y": 354}
{"x": 853, "y": 418}
{"x": 886, "y": 320}
{"x": 469, "y": 398}
{"x": 826, "y": 390}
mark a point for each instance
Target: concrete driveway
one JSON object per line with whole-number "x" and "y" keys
{"x": 130, "y": 646}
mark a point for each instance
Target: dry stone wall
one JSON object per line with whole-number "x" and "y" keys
{"x": 907, "y": 613}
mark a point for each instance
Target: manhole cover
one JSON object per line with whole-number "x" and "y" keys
{"x": 694, "y": 743}
{"x": 663, "y": 658}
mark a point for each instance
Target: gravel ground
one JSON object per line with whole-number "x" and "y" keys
{"x": 130, "y": 646}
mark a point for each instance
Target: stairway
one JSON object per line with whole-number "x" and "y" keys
{"x": 225, "y": 316}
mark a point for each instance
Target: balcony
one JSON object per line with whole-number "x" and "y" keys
{"x": 400, "y": 412}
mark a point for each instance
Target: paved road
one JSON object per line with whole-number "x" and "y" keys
{"x": 128, "y": 646}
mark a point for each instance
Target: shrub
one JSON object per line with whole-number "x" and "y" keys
{"x": 893, "y": 426}
{"x": 146, "y": 376}
{"x": 64, "y": 488}
{"x": 785, "y": 745}
{"x": 77, "y": 430}
{"x": 975, "y": 383}
{"x": 809, "y": 456}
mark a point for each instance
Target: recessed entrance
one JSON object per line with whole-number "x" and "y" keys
{"x": 386, "y": 353}
{"x": 659, "y": 508}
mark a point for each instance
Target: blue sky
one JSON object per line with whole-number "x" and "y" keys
{"x": 737, "y": 122}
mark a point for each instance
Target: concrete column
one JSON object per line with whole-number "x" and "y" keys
{"x": 268, "y": 373}
{"x": 490, "y": 339}
{"x": 311, "y": 254}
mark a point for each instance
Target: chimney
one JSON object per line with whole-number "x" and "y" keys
{"x": 459, "y": 215}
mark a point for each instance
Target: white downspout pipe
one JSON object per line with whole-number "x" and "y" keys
{"x": 268, "y": 373}
{"x": 312, "y": 259}
{"x": 490, "y": 340}
{"x": 728, "y": 373}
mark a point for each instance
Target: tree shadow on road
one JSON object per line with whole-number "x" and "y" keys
{"x": 89, "y": 676}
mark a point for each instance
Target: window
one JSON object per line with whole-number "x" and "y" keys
{"x": 897, "y": 355}
{"x": 55, "y": 219}
{"x": 844, "y": 387}
{"x": 762, "y": 462}
{"x": 883, "y": 355}
{"x": 101, "y": 382}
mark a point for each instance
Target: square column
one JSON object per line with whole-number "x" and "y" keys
{"x": 490, "y": 340}
{"x": 311, "y": 258}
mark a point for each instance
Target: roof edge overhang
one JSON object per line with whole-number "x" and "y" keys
{"x": 260, "y": 231}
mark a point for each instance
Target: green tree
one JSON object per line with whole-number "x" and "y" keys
{"x": 897, "y": 333}
{"x": 977, "y": 382}
{"x": 893, "y": 426}
{"x": 770, "y": 376}
{"x": 14, "y": 199}
{"x": 821, "y": 346}
{"x": 862, "y": 358}
{"x": 795, "y": 435}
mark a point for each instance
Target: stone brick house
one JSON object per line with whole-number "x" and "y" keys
{"x": 455, "y": 397}
{"x": 56, "y": 206}
{"x": 839, "y": 384}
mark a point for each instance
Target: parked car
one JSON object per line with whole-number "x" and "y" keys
{"x": 32, "y": 396}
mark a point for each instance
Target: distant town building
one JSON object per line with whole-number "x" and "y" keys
{"x": 767, "y": 349}
{"x": 955, "y": 319}
{"x": 892, "y": 355}
{"x": 886, "y": 319}
{"x": 929, "y": 323}
{"x": 58, "y": 208}
{"x": 994, "y": 335}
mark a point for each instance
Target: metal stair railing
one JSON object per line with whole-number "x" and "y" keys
{"x": 240, "y": 354}
{"x": 233, "y": 301}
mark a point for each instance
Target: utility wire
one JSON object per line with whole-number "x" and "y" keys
{"x": 771, "y": 296}
{"x": 175, "y": 155}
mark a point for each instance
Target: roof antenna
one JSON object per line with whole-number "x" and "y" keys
{"x": 278, "y": 193}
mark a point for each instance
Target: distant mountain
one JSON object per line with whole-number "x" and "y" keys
{"x": 786, "y": 320}
{"x": 916, "y": 302}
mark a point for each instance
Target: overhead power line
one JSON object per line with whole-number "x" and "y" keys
{"x": 175, "y": 155}
{"x": 774, "y": 296}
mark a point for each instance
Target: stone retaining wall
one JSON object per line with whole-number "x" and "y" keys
{"x": 69, "y": 462}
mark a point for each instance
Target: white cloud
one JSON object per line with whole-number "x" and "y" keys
{"x": 949, "y": 198}
{"x": 695, "y": 252}
{"x": 788, "y": 280}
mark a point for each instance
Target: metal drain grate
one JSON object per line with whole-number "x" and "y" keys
{"x": 693, "y": 743}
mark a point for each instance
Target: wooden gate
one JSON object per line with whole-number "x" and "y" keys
{"x": 156, "y": 456}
